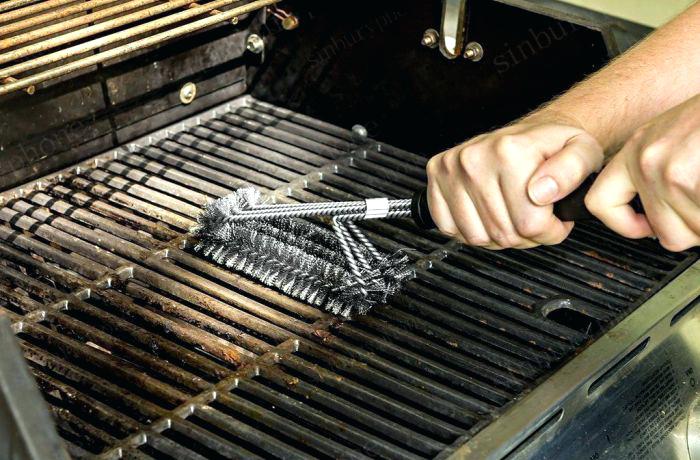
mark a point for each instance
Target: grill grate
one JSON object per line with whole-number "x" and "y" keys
{"x": 143, "y": 348}
{"x": 41, "y": 40}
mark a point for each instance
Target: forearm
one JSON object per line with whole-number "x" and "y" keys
{"x": 659, "y": 73}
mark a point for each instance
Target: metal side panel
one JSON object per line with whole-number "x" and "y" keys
{"x": 26, "y": 429}
{"x": 632, "y": 394}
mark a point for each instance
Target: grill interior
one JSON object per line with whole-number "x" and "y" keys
{"x": 144, "y": 350}
{"x": 44, "y": 40}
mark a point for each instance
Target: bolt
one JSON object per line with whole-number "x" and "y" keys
{"x": 255, "y": 44}
{"x": 431, "y": 38}
{"x": 474, "y": 51}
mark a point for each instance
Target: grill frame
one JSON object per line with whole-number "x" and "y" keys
{"x": 317, "y": 332}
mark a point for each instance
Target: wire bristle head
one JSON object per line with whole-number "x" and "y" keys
{"x": 295, "y": 256}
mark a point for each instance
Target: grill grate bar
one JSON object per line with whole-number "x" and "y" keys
{"x": 212, "y": 443}
{"x": 197, "y": 403}
{"x": 239, "y": 165}
{"x": 504, "y": 319}
{"x": 347, "y": 411}
{"x": 30, "y": 46}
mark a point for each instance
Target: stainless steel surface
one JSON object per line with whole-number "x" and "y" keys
{"x": 452, "y": 28}
{"x": 145, "y": 350}
{"x": 26, "y": 429}
{"x": 27, "y": 40}
{"x": 619, "y": 34}
{"x": 693, "y": 431}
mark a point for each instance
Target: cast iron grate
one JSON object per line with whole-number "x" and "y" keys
{"x": 145, "y": 350}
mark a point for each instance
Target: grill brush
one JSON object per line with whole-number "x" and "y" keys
{"x": 339, "y": 270}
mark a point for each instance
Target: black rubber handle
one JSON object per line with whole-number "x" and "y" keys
{"x": 570, "y": 208}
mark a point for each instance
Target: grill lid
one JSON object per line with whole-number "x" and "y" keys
{"x": 145, "y": 350}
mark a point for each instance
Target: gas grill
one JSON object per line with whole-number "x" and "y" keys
{"x": 144, "y": 350}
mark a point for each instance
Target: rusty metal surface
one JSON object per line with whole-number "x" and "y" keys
{"x": 54, "y": 32}
{"x": 144, "y": 350}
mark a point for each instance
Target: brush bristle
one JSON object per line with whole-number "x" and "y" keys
{"x": 297, "y": 257}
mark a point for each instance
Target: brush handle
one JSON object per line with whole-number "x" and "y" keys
{"x": 569, "y": 208}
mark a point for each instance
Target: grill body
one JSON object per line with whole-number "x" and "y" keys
{"x": 141, "y": 346}
{"x": 143, "y": 350}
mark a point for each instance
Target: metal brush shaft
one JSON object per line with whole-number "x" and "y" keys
{"x": 346, "y": 210}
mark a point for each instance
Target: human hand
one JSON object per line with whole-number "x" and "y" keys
{"x": 497, "y": 190}
{"x": 661, "y": 163}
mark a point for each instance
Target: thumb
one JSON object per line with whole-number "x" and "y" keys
{"x": 565, "y": 170}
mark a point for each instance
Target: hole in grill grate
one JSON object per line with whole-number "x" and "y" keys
{"x": 575, "y": 320}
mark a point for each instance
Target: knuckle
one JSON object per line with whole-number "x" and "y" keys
{"x": 650, "y": 158}
{"x": 675, "y": 175}
{"x": 432, "y": 167}
{"x": 506, "y": 239}
{"x": 510, "y": 147}
{"x": 470, "y": 162}
{"x": 531, "y": 227}
{"x": 557, "y": 239}
{"x": 446, "y": 164}
{"x": 448, "y": 230}
{"x": 593, "y": 204}
{"x": 478, "y": 240}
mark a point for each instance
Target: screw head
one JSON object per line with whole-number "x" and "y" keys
{"x": 255, "y": 44}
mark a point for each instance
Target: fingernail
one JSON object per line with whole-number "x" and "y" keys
{"x": 544, "y": 190}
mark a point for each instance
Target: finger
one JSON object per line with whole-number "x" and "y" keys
{"x": 609, "y": 198}
{"x": 565, "y": 170}
{"x": 492, "y": 209}
{"x": 667, "y": 221}
{"x": 536, "y": 224}
{"x": 439, "y": 209}
{"x": 673, "y": 232}
{"x": 467, "y": 219}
